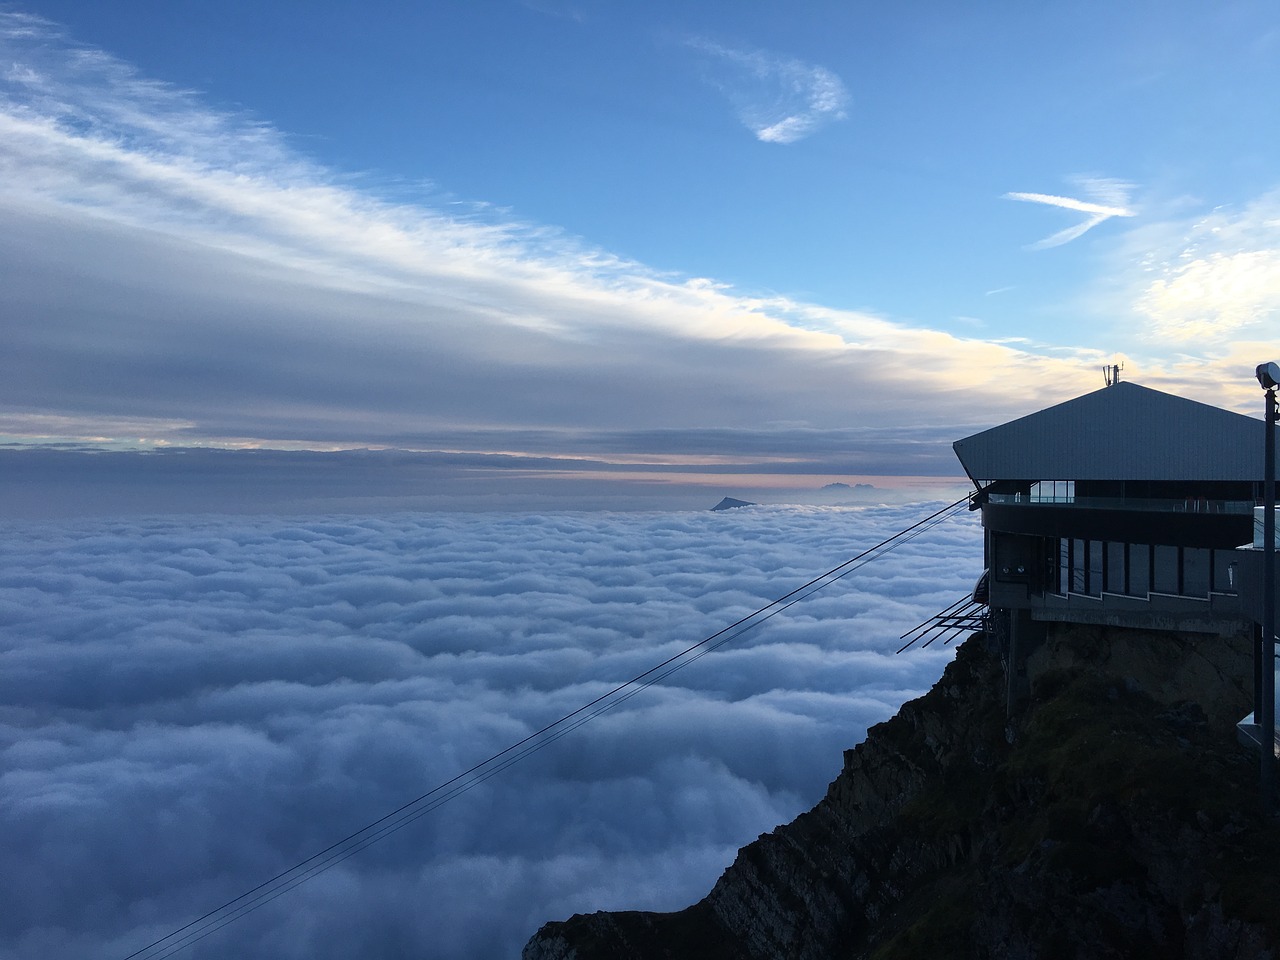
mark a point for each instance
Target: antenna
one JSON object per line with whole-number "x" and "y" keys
{"x": 1111, "y": 374}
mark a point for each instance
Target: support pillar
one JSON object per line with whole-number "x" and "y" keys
{"x": 1266, "y": 712}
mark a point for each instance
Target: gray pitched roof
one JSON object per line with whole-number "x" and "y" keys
{"x": 1121, "y": 432}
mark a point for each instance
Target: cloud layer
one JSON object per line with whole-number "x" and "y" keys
{"x": 179, "y": 275}
{"x": 183, "y": 274}
{"x": 44, "y": 482}
{"x": 191, "y": 706}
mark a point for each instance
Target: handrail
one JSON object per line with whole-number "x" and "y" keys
{"x": 1153, "y": 505}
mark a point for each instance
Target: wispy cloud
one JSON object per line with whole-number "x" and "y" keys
{"x": 1213, "y": 279}
{"x": 779, "y": 99}
{"x": 1110, "y": 198}
{"x": 171, "y": 264}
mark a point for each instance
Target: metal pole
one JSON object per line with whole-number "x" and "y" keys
{"x": 1267, "y": 707}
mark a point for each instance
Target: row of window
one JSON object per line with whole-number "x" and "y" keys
{"x": 1053, "y": 491}
{"x": 1136, "y": 569}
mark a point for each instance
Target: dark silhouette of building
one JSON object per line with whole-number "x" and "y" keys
{"x": 1125, "y": 507}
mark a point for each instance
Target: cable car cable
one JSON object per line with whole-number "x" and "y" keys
{"x": 376, "y": 830}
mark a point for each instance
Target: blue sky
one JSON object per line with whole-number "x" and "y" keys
{"x": 630, "y": 233}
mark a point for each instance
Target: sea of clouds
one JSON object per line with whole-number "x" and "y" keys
{"x": 191, "y": 705}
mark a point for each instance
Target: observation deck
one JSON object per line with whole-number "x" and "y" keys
{"x": 1189, "y": 521}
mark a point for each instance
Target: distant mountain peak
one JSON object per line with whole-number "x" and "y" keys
{"x": 728, "y": 503}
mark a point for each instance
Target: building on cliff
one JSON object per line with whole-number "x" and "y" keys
{"x": 1102, "y": 819}
{"x": 1126, "y": 507}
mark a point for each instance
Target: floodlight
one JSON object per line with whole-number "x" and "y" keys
{"x": 1268, "y": 375}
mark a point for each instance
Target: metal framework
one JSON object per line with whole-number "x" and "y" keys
{"x": 966, "y": 615}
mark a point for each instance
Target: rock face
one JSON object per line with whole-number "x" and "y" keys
{"x": 1109, "y": 818}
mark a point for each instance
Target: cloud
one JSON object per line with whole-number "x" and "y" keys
{"x": 674, "y": 469}
{"x": 779, "y": 99}
{"x": 179, "y": 275}
{"x": 1212, "y": 297}
{"x": 1211, "y": 280}
{"x": 192, "y": 705}
{"x": 1112, "y": 196}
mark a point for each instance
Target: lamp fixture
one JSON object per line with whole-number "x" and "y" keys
{"x": 1268, "y": 375}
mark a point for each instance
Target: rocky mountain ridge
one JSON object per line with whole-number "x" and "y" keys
{"x": 1113, "y": 816}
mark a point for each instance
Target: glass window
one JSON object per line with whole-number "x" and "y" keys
{"x": 1224, "y": 577}
{"x": 1079, "y": 553}
{"x": 1166, "y": 569}
{"x": 1195, "y": 572}
{"x": 1139, "y": 569}
{"x": 1096, "y": 553}
{"x": 1114, "y": 582}
{"x": 1053, "y": 491}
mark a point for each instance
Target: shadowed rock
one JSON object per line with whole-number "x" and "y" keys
{"x": 1115, "y": 817}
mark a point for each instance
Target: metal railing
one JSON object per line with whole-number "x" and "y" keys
{"x": 1152, "y": 505}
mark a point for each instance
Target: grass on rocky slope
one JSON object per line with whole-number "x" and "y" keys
{"x": 1091, "y": 760}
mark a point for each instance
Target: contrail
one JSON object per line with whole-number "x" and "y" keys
{"x": 1098, "y": 212}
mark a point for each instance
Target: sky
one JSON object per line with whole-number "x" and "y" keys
{"x": 325, "y": 279}
{"x": 189, "y": 706}
{"x": 576, "y": 251}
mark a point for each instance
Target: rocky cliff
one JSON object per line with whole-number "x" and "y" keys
{"x": 1113, "y": 816}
